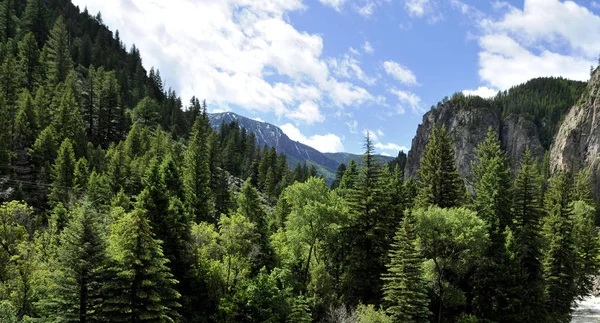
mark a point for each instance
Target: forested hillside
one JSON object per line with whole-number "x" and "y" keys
{"x": 119, "y": 204}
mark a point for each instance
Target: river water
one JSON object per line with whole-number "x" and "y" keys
{"x": 587, "y": 311}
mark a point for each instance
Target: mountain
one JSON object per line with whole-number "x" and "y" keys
{"x": 273, "y": 136}
{"x": 527, "y": 115}
{"x": 345, "y": 158}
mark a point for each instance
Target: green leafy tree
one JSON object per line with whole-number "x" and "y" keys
{"x": 405, "y": 289}
{"x": 141, "y": 287}
{"x": 452, "y": 240}
{"x": 439, "y": 182}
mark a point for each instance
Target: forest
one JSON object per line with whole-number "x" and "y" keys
{"x": 120, "y": 204}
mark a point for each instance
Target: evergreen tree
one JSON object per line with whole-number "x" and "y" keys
{"x": 560, "y": 263}
{"x": 10, "y": 78}
{"x": 439, "y": 182}
{"x": 62, "y": 174}
{"x": 8, "y": 20}
{"x": 492, "y": 183}
{"x": 527, "y": 231}
{"x": 196, "y": 174}
{"x": 338, "y": 176}
{"x": 57, "y": 53}
{"x": 300, "y": 312}
{"x": 81, "y": 176}
{"x": 25, "y": 125}
{"x": 249, "y": 206}
{"x": 141, "y": 287}
{"x": 30, "y": 61}
{"x": 81, "y": 257}
{"x": 405, "y": 290}
{"x": 68, "y": 120}
{"x": 35, "y": 19}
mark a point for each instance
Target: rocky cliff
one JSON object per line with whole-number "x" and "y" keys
{"x": 527, "y": 115}
{"x": 577, "y": 143}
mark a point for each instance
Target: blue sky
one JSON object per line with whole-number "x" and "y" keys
{"x": 327, "y": 71}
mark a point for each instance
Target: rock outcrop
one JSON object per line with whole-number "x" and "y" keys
{"x": 577, "y": 143}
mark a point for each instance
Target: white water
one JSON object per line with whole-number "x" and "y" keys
{"x": 587, "y": 311}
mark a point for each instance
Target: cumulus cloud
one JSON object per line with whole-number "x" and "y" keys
{"x": 377, "y": 143}
{"x": 400, "y": 73}
{"x": 308, "y": 112}
{"x": 328, "y": 143}
{"x": 349, "y": 67}
{"x": 520, "y": 44}
{"x": 417, "y": 8}
{"x": 482, "y": 91}
{"x": 408, "y": 99}
{"x": 223, "y": 50}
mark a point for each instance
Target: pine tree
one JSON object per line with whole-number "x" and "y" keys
{"x": 140, "y": 287}
{"x": 62, "y": 174}
{"x": 492, "y": 183}
{"x": 439, "y": 182}
{"x": 76, "y": 284}
{"x": 249, "y": 206}
{"x": 300, "y": 312}
{"x": 8, "y": 20}
{"x": 35, "y": 19}
{"x": 81, "y": 176}
{"x": 30, "y": 61}
{"x": 338, "y": 176}
{"x": 560, "y": 260}
{"x": 366, "y": 236}
{"x": 196, "y": 174}
{"x": 57, "y": 53}
{"x": 68, "y": 120}
{"x": 527, "y": 231}
{"x": 405, "y": 290}
{"x": 25, "y": 125}
{"x": 10, "y": 78}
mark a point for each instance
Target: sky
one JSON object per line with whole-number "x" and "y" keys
{"x": 328, "y": 71}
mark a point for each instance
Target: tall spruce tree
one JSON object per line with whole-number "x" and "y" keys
{"x": 439, "y": 183}
{"x": 57, "y": 53}
{"x": 405, "y": 290}
{"x": 62, "y": 174}
{"x": 560, "y": 260}
{"x": 527, "y": 231}
{"x": 196, "y": 173}
{"x": 493, "y": 283}
{"x": 140, "y": 287}
{"x": 75, "y": 295}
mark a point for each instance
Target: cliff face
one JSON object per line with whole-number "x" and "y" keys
{"x": 577, "y": 143}
{"x": 467, "y": 126}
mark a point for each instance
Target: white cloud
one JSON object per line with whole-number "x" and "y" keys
{"x": 352, "y": 125}
{"x": 258, "y": 119}
{"x": 328, "y": 143}
{"x": 544, "y": 38}
{"x": 223, "y": 50}
{"x": 570, "y": 23}
{"x": 416, "y": 8}
{"x": 368, "y": 48}
{"x": 308, "y": 112}
{"x": 407, "y": 99}
{"x": 400, "y": 73}
{"x": 380, "y": 133}
{"x": 348, "y": 67}
{"x": 390, "y": 146}
{"x": 505, "y": 63}
{"x": 367, "y": 9}
{"x": 353, "y": 51}
{"x": 335, "y": 4}
{"x": 482, "y": 91}
{"x": 386, "y": 155}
